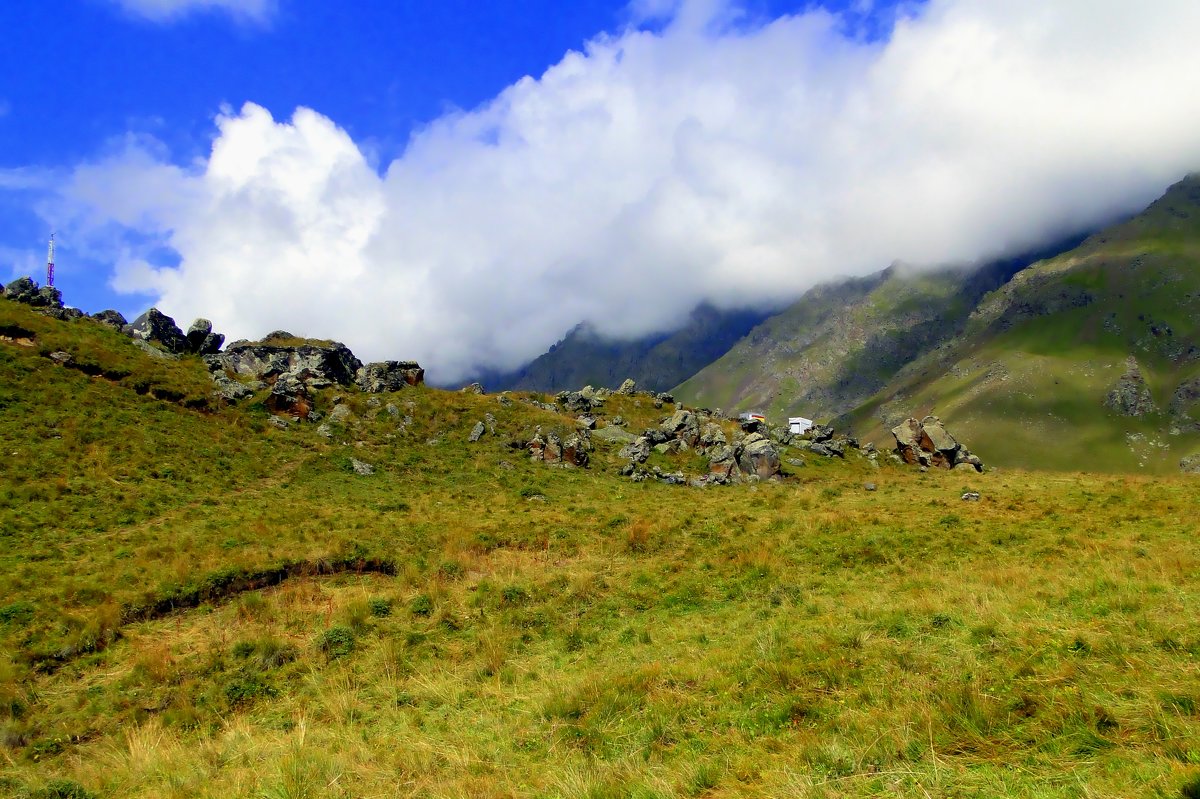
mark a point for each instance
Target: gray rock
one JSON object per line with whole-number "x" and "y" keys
{"x": 869, "y": 486}
{"x": 324, "y": 431}
{"x": 759, "y": 457}
{"x": 666, "y": 397}
{"x": 155, "y": 326}
{"x": 383, "y": 376}
{"x": 341, "y": 413}
{"x": 1130, "y": 396}
{"x": 313, "y": 364}
{"x": 361, "y": 468}
{"x": 231, "y": 390}
{"x": 637, "y": 450}
{"x": 971, "y": 496}
{"x": 799, "y": 463}
{"x": 278, "y": 422}
{"x": 586, "y": 422}
{"x": 474, "y": 388}
{"x": 477, "y": 432}
{"x": 1190, "y": 464}
{"x": 628, "y": 387}
{"x": 682, "y": 425}
{"x": 201, "y": 339}
{"x": 111, "y": 318}
{"x": 820, "y": 432}
{"x": 712, "y": 436}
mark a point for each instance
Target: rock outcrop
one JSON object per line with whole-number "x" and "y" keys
{"x": 928, "y": 443}
{"x": 1130, "y": 396}
{"x": 202, "y": 340}
{"x": 382, "y": 376}
{"x": 156, "y": 327}
{"x": 316, "y": 365}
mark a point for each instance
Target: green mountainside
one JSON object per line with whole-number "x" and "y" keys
{"x": 1088, "y": 360}
{"x": 655, "y": 362}
{"x": 841, "y": 342}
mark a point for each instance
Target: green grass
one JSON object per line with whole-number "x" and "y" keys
{"x": 452, "y": 627}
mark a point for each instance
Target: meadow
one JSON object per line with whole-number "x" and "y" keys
{"x": 196, "y": 603}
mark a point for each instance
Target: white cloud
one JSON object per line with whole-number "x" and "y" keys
{"x": 256, "y": 11}
{"x": 735, "y": 163}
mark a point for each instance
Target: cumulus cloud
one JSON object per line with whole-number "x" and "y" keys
{"x": 257, "y": 11}
{"x": 709, "y": 159}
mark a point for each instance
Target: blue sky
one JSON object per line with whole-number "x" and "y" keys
{"x": 662, "y": 153}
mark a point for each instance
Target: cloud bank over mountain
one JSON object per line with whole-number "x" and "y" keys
{"x": 713, "y": 158}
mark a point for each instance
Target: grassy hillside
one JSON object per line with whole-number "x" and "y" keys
{"x": 841, "y": 342}
{"x": 196, "y": 603}
{"x": 656, "y": 362}
{"x": 1026, "y": 383}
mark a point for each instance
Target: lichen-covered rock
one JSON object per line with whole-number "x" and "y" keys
{"x": 759, "y": 457}
{"x": 628, "y": 387}
{"x": 614, "y": 435}
{"x": 384, "y": 376}
{"x": 477, "y": 432}
{"x": 637, "y": 450}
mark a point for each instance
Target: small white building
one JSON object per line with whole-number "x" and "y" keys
{"x": 799, "y": 425}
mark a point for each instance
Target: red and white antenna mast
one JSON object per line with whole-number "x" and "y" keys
{"x": 50, "y": 263}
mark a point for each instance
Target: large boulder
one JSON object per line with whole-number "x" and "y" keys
{"x": 202, "y": 340}
{"x": 628, "y": 387}
{"x": 759, "y": 457}
{"x": 929, "y": 443}
{"x": 155, "y": 326}
{"x": 384, "y": 376}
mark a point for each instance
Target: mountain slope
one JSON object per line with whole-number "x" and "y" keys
{"x": 841, "y": 342}
{"x": 1088, "y": 360}
{"x": 656, "y": 362}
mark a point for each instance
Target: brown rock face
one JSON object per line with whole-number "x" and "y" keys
{"x": 929, "y": 443}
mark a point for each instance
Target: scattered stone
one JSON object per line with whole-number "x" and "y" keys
{"x": 232, "y": 390}
{"x": 628, "y": 387}
{"x": 869, "y": 486}
{"x": 490, "y": 421}
{"x": 504, "y": 400}
{"x": 683, "y": 426}
{"x": 1190, "y": 464}
{"x": 361, "y": 468}
{"x": 971, "y": 496}
{"x": 290, "y": 395}
{"x": 586, "y": 422}
{"x": 665, "y": 397}
{"x": 799, "y": 463}
{"x": 324, "y": 431}
{"x": 619, "y": 421}
{"x": 506, "y": 466}
{"x": 477, "y": 432}
{"x": 474, "y": 388}
{"x": 61, "y": 358}
{"x": 279, "y": 422}
{"x": 340, "y": 413}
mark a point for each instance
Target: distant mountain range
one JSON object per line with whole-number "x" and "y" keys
{"x": 656, "y": 362}
{"x": 1083, "y": 356}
